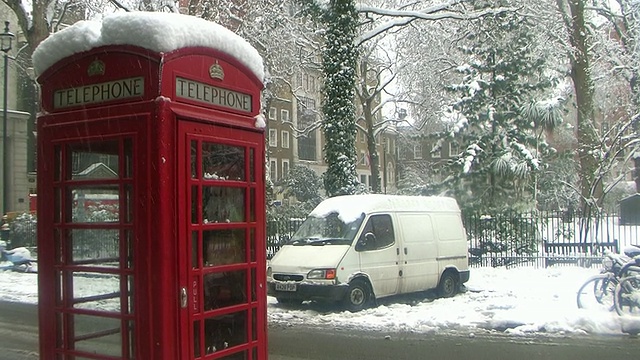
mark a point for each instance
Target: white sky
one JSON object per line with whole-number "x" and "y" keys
{"x": 160, "y": 32}
{"x": 524, "y": 301}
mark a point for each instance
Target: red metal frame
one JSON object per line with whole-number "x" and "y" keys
{"x": 160, "y": 126}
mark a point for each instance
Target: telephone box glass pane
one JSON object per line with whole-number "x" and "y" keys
{"x": 97, "y": 335}
{"x": 252, "y": 171}
{"x": 57, "y": 200}
{"x": 92, "y": 292}
{"x": 225, "y": 331}
{"x": 224, "y": 247}
{"x": 252, "y": 245}
{"x": 253, "y": 285}
{"x": 132, "y": 338}
{"x": 194, "y": 249}
{"x": 59, "y": 288}
{"x": 194, "y": 159}
{"x": 130, "y": 293}
{"x": 95, "y": 160}
{"x": 59, "y": 334}
{"x": 129, "y": 240}
{"x": 57, "y": 241}
{"x": 223, "y": 204}
{"x": 254, "y": 327}
{"x": 98, "y": 204}
{"x": 222, "y": 162}
{"x": 128, "y": 159}
{"x": 196, "y": 339}
{"x": 57, "y": 163}
{"x": 194, "y": 204}
{"x": 95, "y": 247}
{"x": 223, "y": 289}
{"x": 252, "y": 205}
{"x": 128, "y": 202}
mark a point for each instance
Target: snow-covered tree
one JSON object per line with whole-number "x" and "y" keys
{"x": 339, "y": 58}
{"x": 622, "y": 57}
{"x": 504, "y": 73}
{"x": 304, "y": 184}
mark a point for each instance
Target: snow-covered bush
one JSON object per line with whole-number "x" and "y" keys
{"x": 23, "y": 230}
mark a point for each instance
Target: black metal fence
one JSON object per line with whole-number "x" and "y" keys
{"x": 505, "y": 239}
{"x": 540, "y": 239}
{"x": 278, "y": 233}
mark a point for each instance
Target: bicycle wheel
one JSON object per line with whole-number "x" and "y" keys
{"x": 627, "y": 296}
{"x": 597, "y": 293}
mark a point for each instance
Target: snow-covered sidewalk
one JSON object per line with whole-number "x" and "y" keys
{"x": 517, "y": 301}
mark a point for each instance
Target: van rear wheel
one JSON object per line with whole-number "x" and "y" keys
{"x": 448, "y": 286}
{"x": 358, "y": 296}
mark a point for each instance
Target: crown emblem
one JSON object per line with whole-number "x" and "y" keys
{"x": 216, "y": 72}
{"x": 97, "y": 67}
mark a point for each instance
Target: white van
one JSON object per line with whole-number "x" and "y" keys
{"x": 358, "y": 248}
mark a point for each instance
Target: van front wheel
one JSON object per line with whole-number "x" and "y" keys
{"x": 358, "y": 296}
{"x": 448, "y": 286}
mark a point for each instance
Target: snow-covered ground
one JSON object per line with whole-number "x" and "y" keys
{"x": 517, "y": 301}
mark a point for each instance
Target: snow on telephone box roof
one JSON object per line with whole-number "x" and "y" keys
{"x": 155, "y": 31}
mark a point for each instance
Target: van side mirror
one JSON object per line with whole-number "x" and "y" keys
{"x": 366, "y": 242}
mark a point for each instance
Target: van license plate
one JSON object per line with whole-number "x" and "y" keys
{"x": 287, "y": 286}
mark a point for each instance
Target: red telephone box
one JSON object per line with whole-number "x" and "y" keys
{"x": 151, "y": 207}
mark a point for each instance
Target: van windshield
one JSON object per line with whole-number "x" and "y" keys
{"x": 327, "y": 230}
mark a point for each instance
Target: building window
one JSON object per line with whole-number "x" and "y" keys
{"x": 273, "y": 138}
{"x": 284, "y": 115}
{"x": 312, "y": 83}
{"x": 273, "y": 170}
{"x": 306, "y": 120}
{"x": 454, "y": 149}
{"x": 285, "y": 168}
{"x": 436, "y": 153}
{"x": 363, "y": 179}
{"x": 390, "y": 173}
{"x": 363, "y": 158}
{"x": 417, "y": 151}
{"x": 273, "y": 113}
{"x": 284, "y": 139}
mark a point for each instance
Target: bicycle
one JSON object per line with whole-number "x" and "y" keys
{"x": 627, "y": 292}
{"x": 598, "y": 292}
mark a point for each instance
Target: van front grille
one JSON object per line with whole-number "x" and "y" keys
{"x": 288, "y": 277}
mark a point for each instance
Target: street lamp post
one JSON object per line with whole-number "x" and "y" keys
{"x": 6, "y": 38}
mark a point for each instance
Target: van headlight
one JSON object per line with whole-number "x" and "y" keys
{"x": 324, "y": 274}
{"x": 269, "y": 272}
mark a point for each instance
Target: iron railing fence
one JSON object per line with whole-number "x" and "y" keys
{"x": 537, "y": 238}
{"x": 505, "y": 239}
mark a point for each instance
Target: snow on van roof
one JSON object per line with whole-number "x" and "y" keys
{"x": 155, "y": 31}
{"x": 350, "y": 207}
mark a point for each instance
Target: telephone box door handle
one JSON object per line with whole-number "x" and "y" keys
{"x": 183, "y": 297}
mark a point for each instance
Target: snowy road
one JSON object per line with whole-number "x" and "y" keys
{"x": 515, "y": 302}
{"x": 19, "y": 341}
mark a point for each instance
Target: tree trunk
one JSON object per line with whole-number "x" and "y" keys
{"x": 590, "y": 184}
{"x": 374, "y": 158}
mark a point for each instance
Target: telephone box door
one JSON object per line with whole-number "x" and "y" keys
{"x": 221, "y": 216}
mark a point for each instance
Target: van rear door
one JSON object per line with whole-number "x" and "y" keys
{"x": 419, "y": 252}
{"x": 379, "y": 254}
